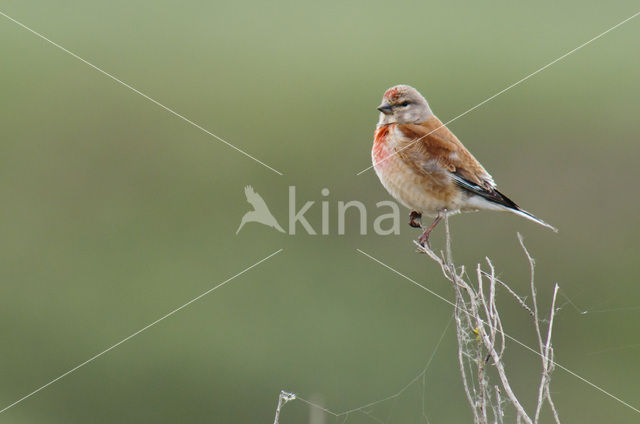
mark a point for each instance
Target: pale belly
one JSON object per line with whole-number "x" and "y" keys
{"x": 427, "y": 194}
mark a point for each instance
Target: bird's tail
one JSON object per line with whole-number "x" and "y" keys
{"x": 498, "y": 200}
{"x": 530, "y": 217}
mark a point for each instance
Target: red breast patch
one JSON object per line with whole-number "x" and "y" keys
{"x": 380, "y": 143}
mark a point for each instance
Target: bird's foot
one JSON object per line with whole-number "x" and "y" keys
{"x": 424, "y": 238}
{"x": 415, "y": 219}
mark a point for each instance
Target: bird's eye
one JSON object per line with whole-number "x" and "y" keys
{"x": 404, "y": 104}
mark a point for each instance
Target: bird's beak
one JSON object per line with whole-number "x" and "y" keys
{"x": 385, "y": 108}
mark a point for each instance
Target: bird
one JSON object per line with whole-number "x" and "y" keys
{"x": 260, "y": 212}
{"x": 424, "y": 166}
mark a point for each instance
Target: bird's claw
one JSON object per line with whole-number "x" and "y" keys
{"x": 424, "y": 238}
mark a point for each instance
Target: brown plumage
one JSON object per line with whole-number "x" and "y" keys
{"x": 424, "y": 165}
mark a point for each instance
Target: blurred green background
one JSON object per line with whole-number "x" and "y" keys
{"x": 115, "y": 212}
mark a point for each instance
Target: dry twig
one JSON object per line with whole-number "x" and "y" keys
{"x": 481, "y": 343}
{"x": 481, "y": 339}
{"x": 282, "y": 399}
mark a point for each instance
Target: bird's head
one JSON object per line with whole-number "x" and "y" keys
{"x": 403, "y": 104}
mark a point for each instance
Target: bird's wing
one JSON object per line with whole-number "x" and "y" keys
{"x": 439, "y": 148}
{"x": 430, "y": 147}
{"x": 432, "y": 144}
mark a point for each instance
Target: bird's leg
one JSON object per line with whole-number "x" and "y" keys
{"x": 414, "y": 219}
{"x": 424, "y": 238}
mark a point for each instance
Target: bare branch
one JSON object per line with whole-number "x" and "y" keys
{"x": 547, "y": 366}
{"x": 282, "y": 399}
{"x": 481, "y": 344}
{"x": 481, "y": 338}
{"x": 515, "y": 295}
{"x": 536, "y": 317}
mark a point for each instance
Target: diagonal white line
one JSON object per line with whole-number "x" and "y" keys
{"x": 152, "y": 100}
{"x": 138, "y": 332}
{"x": 505, "y": 89}
{"x": 505, "y": 334}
